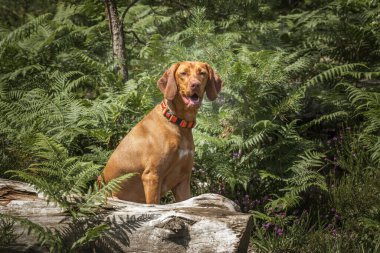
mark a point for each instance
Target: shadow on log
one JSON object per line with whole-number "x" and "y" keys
{"x": 207, "y": 223}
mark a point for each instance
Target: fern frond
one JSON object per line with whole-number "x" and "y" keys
{"x": 94, "y": 195}
{"x": 233, "y": 175}
{"x": 92, "y": 234}
{"x": 340, "y": 115}
{"x": 302, "y": 177}
{"x": 333, "y": 73}
{"x": 25, "y": 30}
{"x": 44, "y": 236}
{"x": 47, "y": 148}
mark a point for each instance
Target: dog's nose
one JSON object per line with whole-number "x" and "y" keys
{"x": 195, "y": 84}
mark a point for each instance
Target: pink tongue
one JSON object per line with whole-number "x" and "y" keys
{"x": 192, "y": 102}
{"x": 189, "y": 101}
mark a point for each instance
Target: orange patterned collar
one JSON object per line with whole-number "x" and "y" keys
{"x": 169, "y": 115}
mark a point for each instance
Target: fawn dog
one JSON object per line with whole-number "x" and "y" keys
{"x": 160, "y": 148}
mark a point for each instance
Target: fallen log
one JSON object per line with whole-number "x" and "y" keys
{"x": 206, "y": 223}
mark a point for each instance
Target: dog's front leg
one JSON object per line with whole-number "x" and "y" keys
{"x": 152, "y": 187}
{"x": 181, "y": 191}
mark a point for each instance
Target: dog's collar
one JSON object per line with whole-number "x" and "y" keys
{"x": 169, "y": 115}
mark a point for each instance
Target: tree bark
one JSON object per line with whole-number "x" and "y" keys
{"x": 207, "y": 223}
{"x": 117, "y": 35}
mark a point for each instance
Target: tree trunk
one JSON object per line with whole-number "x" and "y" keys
{"x": 207, "y": 223}
{"x": 117, "y": 34}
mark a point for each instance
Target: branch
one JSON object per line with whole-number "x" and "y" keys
{"x": 127, "y": 9}
{"x": 137, "y": 38}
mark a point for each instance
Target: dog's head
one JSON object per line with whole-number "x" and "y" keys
{"x": 190, "y": 80}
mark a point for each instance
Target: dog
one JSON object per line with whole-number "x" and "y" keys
{"x": 160, "y": 148}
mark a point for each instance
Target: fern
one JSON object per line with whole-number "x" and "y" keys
{"x": 368, "y": 105}
{"x": 96, "y": 232}
{"x": 326, "y": 118}
{"x": 64, "y": 180}
{"x": 25, "y": 30}
{"x": 44, "y": 236}
{"x": 8, "y": 234}
{"x": 302, "y": 178}
{"x": 332, "y": 73}
{"x": 90, "y": 235}
{"x": 94, "y": 195}
{"x": 290, "y": 85}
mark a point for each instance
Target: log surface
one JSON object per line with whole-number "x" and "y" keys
{"x": 206, "y": 223}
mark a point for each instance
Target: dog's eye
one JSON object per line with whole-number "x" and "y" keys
{"x": 183, "y": 73}
{"x": 203, "y": 73}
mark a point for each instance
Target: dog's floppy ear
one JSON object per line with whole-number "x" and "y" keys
{"x": 214, "y": 84}
{"x": 167, "y": 83}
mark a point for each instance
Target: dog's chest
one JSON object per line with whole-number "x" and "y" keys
{"x": 185, "y": 150}
{"x": 182, "y": 155}
{"x": 179, "y": 149}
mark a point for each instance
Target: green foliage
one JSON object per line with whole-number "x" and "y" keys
{"x": 45, "y": 237}
{"x": 90, "y": 235}
{"x": 64, "y": 179}
{"x": 301, "y": 179}
{"x": 95, "y": 233}
{"x": 301, "y": 235}
{"x": 293, "y": 135}
{"x": 8, "y": 234}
